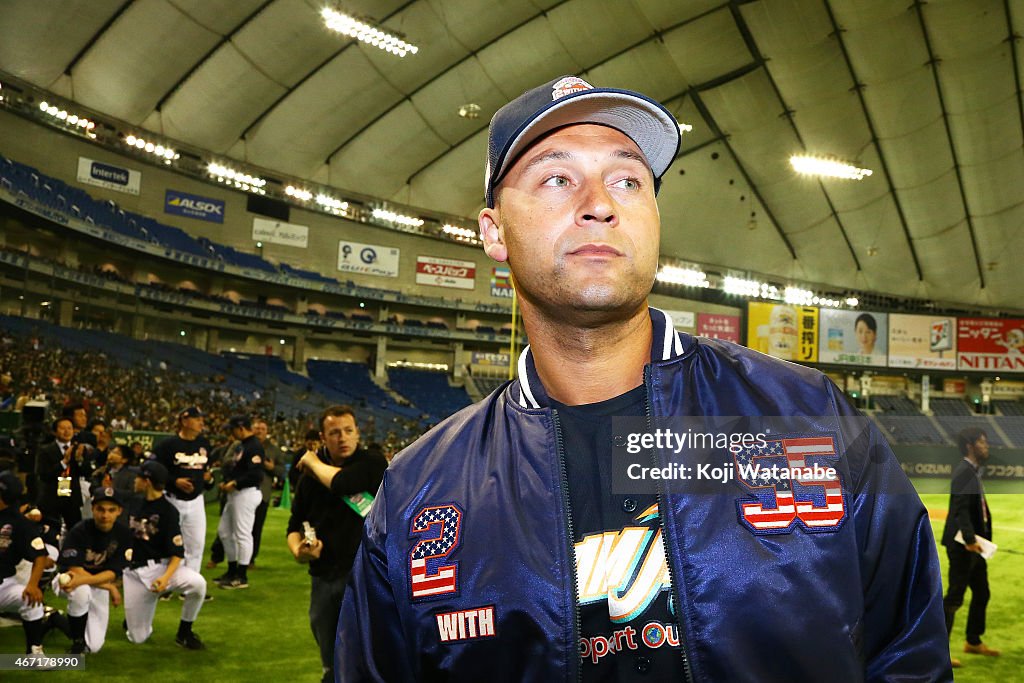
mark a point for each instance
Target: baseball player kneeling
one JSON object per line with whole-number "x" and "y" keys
{"x": 156, "y": 566}
{"x": 92, "y": 557}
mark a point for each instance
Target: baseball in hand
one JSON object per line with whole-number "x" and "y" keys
{"x": 64, "y": 578}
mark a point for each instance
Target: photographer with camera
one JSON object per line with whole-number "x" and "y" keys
{"x": 333, "y": 496}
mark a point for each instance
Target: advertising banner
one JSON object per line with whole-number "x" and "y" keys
{"x": 683, "y": 320}
{"x": 783, "y": 331}
{"x": 279, "y": 232}
{"x": 368, "y": 259}
{"x": 922, "y": 341}
{"x": 194, "y": 206}
{"x": 102, "y": 174}
{"x": 445, "y": 272}
{"x": 493, "y": 359}
{"x": 853, "y": 337}
{"x": 990, "y": 344}
{"x": 717, "y": 326}
{"x": 501, "y": 282}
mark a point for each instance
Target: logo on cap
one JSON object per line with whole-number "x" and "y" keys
{"x": 568, "y": 86}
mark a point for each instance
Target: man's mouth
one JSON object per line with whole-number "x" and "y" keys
{"x": 595, "y": 250}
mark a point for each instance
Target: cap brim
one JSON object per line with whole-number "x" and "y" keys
{"x": 654, "y": 130}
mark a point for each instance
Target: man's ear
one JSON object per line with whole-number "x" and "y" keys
{"x": 489, "y": 221}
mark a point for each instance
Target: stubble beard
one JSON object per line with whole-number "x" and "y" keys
{"x": 588, "y": 303}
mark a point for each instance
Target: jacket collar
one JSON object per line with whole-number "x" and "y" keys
{"x": 666, "y": 344}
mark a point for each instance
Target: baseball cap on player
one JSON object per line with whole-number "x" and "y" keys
{"x": 155, "y": 472}
{"x": 240, "y": 421}
{"x": 106, "y": 493}
{"x": 10, "y": 488}
{"x": 191, "y": 411}
{"x": 567, "y": 101}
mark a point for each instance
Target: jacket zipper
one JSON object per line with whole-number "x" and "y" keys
{"x": 687, "y": 672}
{"x": 560, "y": 447}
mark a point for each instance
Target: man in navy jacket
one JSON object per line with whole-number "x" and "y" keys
{"x": 500, "y": 545}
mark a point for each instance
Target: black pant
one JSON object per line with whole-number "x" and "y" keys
{"x": 325, "y": 595}
{"x": 257, "y": 527}
{"x": 967, "y": 570}
{"x": 217, "y": 549}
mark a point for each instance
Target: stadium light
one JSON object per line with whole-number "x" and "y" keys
{"x": 303, "y": 195}
{"x": 70, "y": 119}
{"x": 367, "y": 32}
{"x": 460, "y": 233}
{"x": 230, "y": 176}
{"x": 688, "y": 277}
{"x": 400, "y": 219}
{"x": 831, "y": 168}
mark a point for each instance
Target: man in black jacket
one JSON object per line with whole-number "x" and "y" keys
{"x": 59, "y": 466}
{"x": 968, "y": 515}
{"x": 333, "y": 496}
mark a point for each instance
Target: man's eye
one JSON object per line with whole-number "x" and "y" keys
{"x": 557, "y": 181}
{"x": 629, "y": 183}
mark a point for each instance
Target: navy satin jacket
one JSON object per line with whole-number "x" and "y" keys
{"x": 467, "y": 571}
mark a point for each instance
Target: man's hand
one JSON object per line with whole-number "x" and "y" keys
{"x": 973, "y": 547}
{"x": 184, "y": 484}
{"x": 32, "y": 595}
{"x": 115, "y": 595}
{"x": 228, "y": 486}
{"x": 307, "y": 553}
{"x": 160, "y": 585}
{"x": 78, "y": 576}
{"x": 304, "y": 460}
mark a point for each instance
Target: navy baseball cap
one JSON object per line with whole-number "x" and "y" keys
{"x": 567, "y": 101}
{"x": 191, "y": 411}
{"x": 106, "y": 493}
{"x": 240, "y": 421}
{"x": 154, "y": 471}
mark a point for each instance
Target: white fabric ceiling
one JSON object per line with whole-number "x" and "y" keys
{"x": 928, "y": 95}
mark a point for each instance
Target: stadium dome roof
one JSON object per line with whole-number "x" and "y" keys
{"x": 927, "y": 95}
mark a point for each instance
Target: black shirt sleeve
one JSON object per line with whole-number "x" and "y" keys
{"x": 248, "y": 470}
{"x": 300, "y": 508}
{"x": 364, "y": 475}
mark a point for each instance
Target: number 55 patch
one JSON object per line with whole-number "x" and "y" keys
{"x": 794, "y": 482}
{"x": 439, "y": 530}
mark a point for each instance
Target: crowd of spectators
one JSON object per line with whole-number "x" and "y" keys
{"x": 141, "y": 397}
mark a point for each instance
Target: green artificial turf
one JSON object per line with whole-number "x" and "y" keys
{"x": 1005, "y": 579}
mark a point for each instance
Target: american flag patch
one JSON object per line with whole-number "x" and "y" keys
{"x": 438, "y": 528}
{"x": 793, "y": 482}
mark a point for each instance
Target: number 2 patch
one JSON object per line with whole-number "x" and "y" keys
{"x": 439, "y": 530}
{"x": 794, "y": 482}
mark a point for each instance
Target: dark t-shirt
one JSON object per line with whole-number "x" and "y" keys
{"x": 244, "y": 464}
{"x": 627, "y": 626}
{"x": 20, "y": 540}
{"x": 156, "y": 530}
{"x": 94, "y": 550}
{"x": 337, "y": 525}
{"x": 184, "y": 458}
